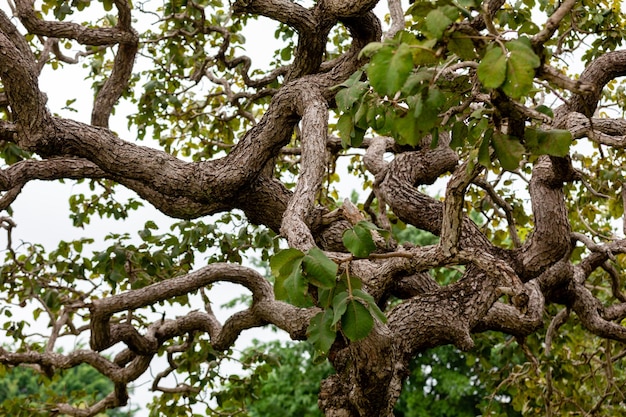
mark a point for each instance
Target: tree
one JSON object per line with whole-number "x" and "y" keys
{"x": 484, "y": 97}
{"x": 23, "y": 392}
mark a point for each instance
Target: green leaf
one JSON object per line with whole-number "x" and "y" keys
{"x": 285, "y": 54}
{"x": 422, "y": 117}
{"x": 353, "y": 79}
{"x": 437, "y": 22}
{"x": 371, "y": 304}
{"x": 424, "y": 53}
{"x": 355, "y": 283}
{"x": 321, "y": 271}
{"x": 509, "y": 151}
{"x": 407, "y": 129}
{"x": 321, "y": 332}
{"x": 346, "y": 97}
{"x": 461, "y": 45}
{"x": 484, "y": 158}
{"x": 290, "y": 284}
{"x": 371, "y": 226}
{"x": 340, "y": 304}
{"x": 459, "y": 135}
{"x": 359, "y": 241}
{"x": 545, "y": 110}
{"x": 360, "y": 116}
{"x": 370, "y": 49}
{"x": 295, "y": 287}
{"x": 548, "y": 142}
{"x": 492, "y": 70}
{"x": 522, "y": 47}
{"x": 345, "y": 126}
{"x": 282, "y": 262}
{"x": 357, "y": 321}
{"x": 389, "y": 68}
{"x": 357, "y": 136}
{"x": 325, "y": 296}
{"x": 520, "y": 69}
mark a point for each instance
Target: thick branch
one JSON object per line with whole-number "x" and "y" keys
{"x": 451, "y": 225}
{"x": 295, "y": 226}
{"x": 19, "y": 75}
{"x": 284, "y": 11}
{"x": 604, "y": 69}
{"x": 550, "y": 27}
{"x": 68, "y": 30}
{"x": 263, "y": 310}
{"x": 550, "y": 239}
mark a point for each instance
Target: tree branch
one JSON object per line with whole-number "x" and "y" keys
{"x": 296, "y": 219}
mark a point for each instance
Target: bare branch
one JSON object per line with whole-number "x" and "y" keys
{"x": 453, "y": 206}
{"x": 314, "y": 131}
{"x": 397, "y": 18}
{"x": 550, "y": 27}
{"x": 80, "y": 33}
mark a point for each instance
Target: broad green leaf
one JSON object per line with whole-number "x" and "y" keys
{"x": 422, "y": 117}
{"x": 371, "y": 226}
{"x": 357, "y": 321}
{"x": 417, "y": 81}
{"x": 285, "y": 54}
{"x": 357, "y": 136}
{"x": 295, "y": 287}
{"x": 346, "y": 97}
{"x": 509, "y": 151}
{"x": 520, "y": 69}
{"x": 459, "y": 135}
{"x": 282, "y": 263}
{"x": 461, "y": 45}
{"x": 371, "y": 304}
{"x": 353, "y": 79}
{"x": 407, "y": 130}
{"x": 321, "y": 271}
{"x": 389, "y": 68}
{"x": 370, "y": 49}
{"x": 375, "y": 117}
{"x": 523, "y": 48}
{"x": 360, "y": 116}
{"x": 342, "y": 285}
{"x": 345, "y": 126}
{"x": 548, "y": 142}
{"x": 545, "y": 110}
{"x": 424, "y": 53}
{"x": 321, "y": 332}
{"x": 484, "y": 158}
{"x": 290, "y": 284}
{"x": 519, "y": 76}
{"x": 492, "y": 70}
{"x": 340, "y": 304}
{"x": 325, "y": 296}
{"x": 359, "y": 241}
{"x": 437, "y": 22}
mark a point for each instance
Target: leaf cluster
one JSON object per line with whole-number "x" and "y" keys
{"x": 306, "y": 279}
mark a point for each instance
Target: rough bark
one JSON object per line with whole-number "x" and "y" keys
{"x": 369, "y": 372}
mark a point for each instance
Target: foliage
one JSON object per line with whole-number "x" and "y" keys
{"x": 485, "y": 257}
{"x": 345, "y": 305}
{"x": 279, "y": 379}
{"x": 24, "y": 392}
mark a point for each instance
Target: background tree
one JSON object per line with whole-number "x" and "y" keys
{"x": 482, "y": 96}
{"x": 24, "y": 392}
